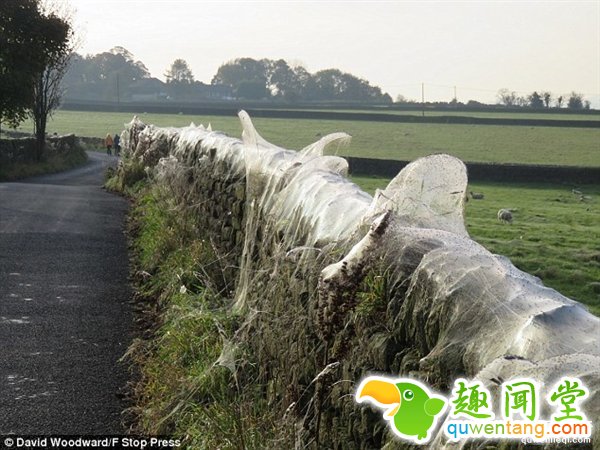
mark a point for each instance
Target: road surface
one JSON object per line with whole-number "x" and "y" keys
{"x": 65, "y": 319}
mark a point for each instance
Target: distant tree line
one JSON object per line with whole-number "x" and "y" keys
{"x": 543, "y": 99}
{"x": 276, "y": 79}
{"x": 116, "y": 75}
{"x": 510, "y": 99}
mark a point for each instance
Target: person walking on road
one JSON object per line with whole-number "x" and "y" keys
{"x": 108, "y": 141}
{"x": 116, "y": 141}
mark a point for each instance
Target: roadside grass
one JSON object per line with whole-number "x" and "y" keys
{"x": 554, "y": 234}
{"x": 51, "y": 164}
{"x": 182, "y": 392}
{"x": 127, "y": 178}
{"x": 473, "y": 143}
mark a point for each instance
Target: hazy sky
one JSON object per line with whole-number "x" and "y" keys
{"x": 478, "y": 46}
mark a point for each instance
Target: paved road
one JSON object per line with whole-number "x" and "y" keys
{"x": 64, "y": 313}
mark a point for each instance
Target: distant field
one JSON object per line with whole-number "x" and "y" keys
{"x": 483, "y": 114}
{"x": 483, "y": 143}
{"x": 554, "y": 236}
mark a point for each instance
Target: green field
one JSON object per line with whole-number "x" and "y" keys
{"x": 483, "y": 143}
{"x": 554, "y": 235}
{"x": 482, "y": 114}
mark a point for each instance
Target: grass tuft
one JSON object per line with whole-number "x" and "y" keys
{"x": 127, "y": 177}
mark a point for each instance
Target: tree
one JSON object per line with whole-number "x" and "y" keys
{"x": 475, "y": 103}
{"x": 252, "y": 90}
{"x": 251, "y": 78}
{"x": 104, "y": 76}
{"x": 587, "y": 104}
{"x": 115, "y": 70}
{"x": 283, "y": 81}
{"x": 521, "y": 101}
{"x": 179, "y": 72}
{"x": 335, "y": 85}
{"x": 240, "y": 70}
{"x": 507, "y": 97}
{"x": 47, "y": 88}
{"x": 536, "y": 100}
{"x": 387, "y": 98}
{"x": 304, "y": 82}
{"x": 547, "y": 96}
{"x": 575, "y": 101}
{"x": 180, "y": 80}
{"x": 28, "y": 39}
{"x": 559, "y": 101}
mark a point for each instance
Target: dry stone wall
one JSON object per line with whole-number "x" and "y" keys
{"x": 23, "y": 149}
{"x": 332, "y": 285}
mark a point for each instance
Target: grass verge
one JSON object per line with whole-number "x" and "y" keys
{"x": 187, "y": 386}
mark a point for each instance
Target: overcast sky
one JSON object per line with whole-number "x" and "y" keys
{"x": 479, "y": 46}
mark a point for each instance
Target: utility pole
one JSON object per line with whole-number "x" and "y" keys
{"x": 423, "y": 99}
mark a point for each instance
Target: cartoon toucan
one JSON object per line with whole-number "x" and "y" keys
{"x": 409, "y": 406}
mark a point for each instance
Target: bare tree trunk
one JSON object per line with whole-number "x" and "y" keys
{"x": 48, "y": 93}
{"x": 40, "y": 116}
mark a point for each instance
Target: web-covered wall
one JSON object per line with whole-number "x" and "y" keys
{"x": 332, "y": 284}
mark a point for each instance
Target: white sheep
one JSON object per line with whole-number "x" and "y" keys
{"x": 505, "y": 216}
